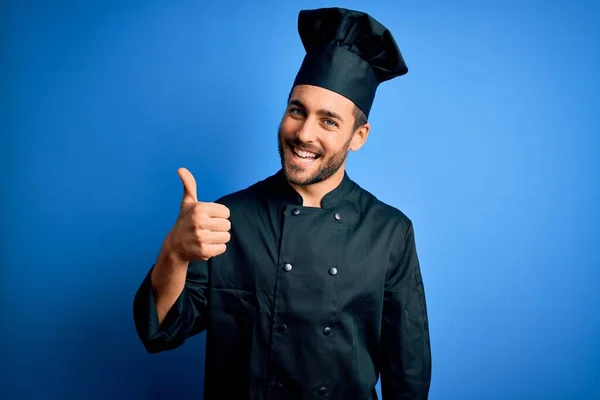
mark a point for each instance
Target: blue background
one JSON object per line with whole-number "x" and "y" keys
{"x": 490, "y": 145}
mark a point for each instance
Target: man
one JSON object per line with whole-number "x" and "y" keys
{"x": 307, "y": 285}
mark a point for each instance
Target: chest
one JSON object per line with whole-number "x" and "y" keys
{"x": 329, "y": 258}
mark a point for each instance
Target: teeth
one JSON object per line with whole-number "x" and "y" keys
{"x": 305, "y": 154}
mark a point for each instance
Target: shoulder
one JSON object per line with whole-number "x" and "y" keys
{"x": 375, "y": 208}
{"x": 389, "y": 221}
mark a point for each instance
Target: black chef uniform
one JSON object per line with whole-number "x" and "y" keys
{"x": 307, "y": 302}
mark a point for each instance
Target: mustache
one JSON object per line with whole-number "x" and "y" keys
{"x": 298, "y": 145}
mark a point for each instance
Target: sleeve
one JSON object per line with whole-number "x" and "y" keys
{"x": 405, "y": 343}
{"x": 186, "y": 318}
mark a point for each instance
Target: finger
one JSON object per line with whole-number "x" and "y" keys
{"x": 213, "y": 250}
{"x": 217, "y": 224}
{"x": 190, "y": 195}
{"x": 211, "y": 237}
{"x": 216, "y": 210}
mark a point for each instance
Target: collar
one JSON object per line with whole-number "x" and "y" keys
{"x": 331, "y": 199}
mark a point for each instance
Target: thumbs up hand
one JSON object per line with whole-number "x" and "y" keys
{"x": 202, "y": 229}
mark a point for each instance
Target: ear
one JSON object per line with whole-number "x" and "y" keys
{"x": 360, "y": 137}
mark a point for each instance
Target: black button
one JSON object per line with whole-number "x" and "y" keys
{"x": 337, "y": 216}
{"x": 327, "y": 331}
{"x": 323, "y": 391}
{"x": 295, "y": 211}
{"x": 332, "y": 271}
{"x": 282, "y": 328}
{"x": 287, "y": 267}
{"x": 275, "y": 384}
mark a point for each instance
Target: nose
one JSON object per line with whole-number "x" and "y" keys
{"x": 306, "y": 132}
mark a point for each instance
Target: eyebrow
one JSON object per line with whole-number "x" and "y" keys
{"x": 322, "y": 112}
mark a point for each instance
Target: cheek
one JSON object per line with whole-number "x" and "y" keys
{"x": 290, "y": 125}
{"x": 331, "y": 144}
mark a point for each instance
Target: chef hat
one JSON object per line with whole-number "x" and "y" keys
{"x": 347, "y": 52}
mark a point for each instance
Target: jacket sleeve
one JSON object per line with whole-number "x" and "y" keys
{"x": 405, "y": 344}
{"x": 187, "y": 317}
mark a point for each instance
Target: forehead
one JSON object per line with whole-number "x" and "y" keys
{"x": 318, "y": 98}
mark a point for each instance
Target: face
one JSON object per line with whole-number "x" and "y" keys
{"x": 316, "y": 134}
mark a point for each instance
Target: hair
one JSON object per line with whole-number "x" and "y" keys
{"x": 359, "y": 118}
{"x": 359, "y": 115}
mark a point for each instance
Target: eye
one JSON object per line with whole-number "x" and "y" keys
{"x": 330, "y": 122}
{"x": 297, "y": 111}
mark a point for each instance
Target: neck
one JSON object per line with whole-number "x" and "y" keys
{"x": 313, "y": 194}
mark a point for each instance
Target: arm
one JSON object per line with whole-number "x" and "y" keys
{"x": 171, "y": 303}
{"x": 168, "y": 280}
{"x": 405, "y": 345}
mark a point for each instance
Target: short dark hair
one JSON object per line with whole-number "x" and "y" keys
{"x": 359, "y": 116}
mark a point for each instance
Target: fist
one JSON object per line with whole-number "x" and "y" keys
{"x": 202, "y": 229}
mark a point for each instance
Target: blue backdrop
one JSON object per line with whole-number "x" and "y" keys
{"x": 490, "y": 145}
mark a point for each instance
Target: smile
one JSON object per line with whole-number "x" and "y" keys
{"x": 302, "y": 156}
{"x": 305, "y": 154}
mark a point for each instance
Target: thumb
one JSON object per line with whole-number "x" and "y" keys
{"x": 189, "y": 186}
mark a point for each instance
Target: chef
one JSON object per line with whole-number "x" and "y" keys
{"x": 306, "y": 284}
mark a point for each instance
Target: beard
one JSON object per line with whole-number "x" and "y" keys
{"x": 330, "y": 164}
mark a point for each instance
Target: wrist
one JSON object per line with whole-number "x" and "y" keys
{"x": 169, "y": 252}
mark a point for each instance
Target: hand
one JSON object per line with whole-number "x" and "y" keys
{"x": 202, "y": 229}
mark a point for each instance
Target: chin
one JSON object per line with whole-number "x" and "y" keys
{"x": 296, "y": 174}
{"x": 304, "y": 176}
